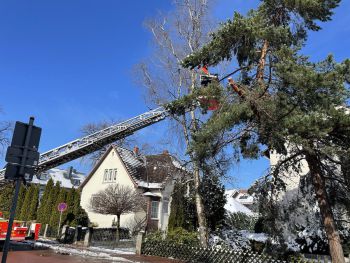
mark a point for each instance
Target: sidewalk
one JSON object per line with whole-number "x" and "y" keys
{"x": 95, "y": 254}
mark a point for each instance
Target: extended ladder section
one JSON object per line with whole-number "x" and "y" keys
{"x": 91, "y": 143}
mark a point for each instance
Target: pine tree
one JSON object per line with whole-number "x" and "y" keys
{"x": 177, "y": 209}
{"x": 183, "y": 208}
{"x": 213, "y": 193}
{"x": 6, "y": 194}
{"x": 55, "y": 214}
{"x": 68, "y": 215}
{"x": 42, "y": 217}
{"x": 283, "y": 101}
{"x": 80, "y": 215}
{"x": 21, "y": 196}
{"x": 27, "y": 203}
{"x": 51, "y": 201}
{"x": 32, "y": 214}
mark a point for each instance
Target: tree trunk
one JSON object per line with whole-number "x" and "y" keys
{"x": 203, "y": 228}
{"x": 319, "y": 185}
{"x": 117, "y": 237}
{"x": 202, "y": 222}
{"x": 262, "y": 62}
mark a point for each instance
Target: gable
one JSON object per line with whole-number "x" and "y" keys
{"x": 110, "y": 161}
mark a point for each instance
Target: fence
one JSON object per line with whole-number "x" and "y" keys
{"x": 107, "y": 238}
{"x": 99, "y": 237}
{"x": 207, "y": 255}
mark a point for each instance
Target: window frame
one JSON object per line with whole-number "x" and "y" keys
{"x": 105, "y": 176}
{"x": 110, "y": 174}
{"x": 157, "y": 210}
{"x": 115, "y": 172}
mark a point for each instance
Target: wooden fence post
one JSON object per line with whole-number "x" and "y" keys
{"x": 139, "y": 242}
{"x": 45, "y": 231}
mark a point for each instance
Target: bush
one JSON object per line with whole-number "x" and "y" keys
{"x": 240, "y": 221}
{"x": 183, "y": 237}
{"x": 178, "y": 236}
{"x": 154, "y": 236}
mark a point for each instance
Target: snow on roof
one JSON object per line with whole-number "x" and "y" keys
{"x": 132, "y": 162}
{"x": 150, "y": 171}
{"x": 233, "y": 206}
{"x": 149, "y": 185}
{"x": 241, "y": 195}
{"x": 60, "y": 175}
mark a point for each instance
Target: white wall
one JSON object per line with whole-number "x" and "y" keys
{"x": 96, "y": 184}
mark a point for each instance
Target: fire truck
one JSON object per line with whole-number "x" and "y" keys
{"x": 19, "y": 231}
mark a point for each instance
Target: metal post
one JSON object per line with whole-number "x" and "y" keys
{"x": 12, "y": 217}
{"x": 59, "y": 225}
{"x": 15, "y": 197}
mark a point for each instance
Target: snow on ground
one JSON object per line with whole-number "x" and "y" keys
{"x": 101, "y": 253}
{"x": 260, "y": 237}
{"x": 236, "y": 240}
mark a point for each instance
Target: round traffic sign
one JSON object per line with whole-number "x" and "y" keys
{"x": 62, "y": 207}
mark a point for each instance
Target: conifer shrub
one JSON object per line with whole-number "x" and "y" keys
{"x": 183, "y": 237}
{"x": 178, "y": 235}
{"x": 240, "y": 221}
{"x": 154, "y": 236}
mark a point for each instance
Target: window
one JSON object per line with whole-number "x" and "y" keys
{"x": 105, "y": 175}
{"x": 243, "y": 197}
{"x": 165, "y": 207}
{"x": 110, "y": 175}
{"x": 115, "y": 175}
{"x": 154, "y": 209}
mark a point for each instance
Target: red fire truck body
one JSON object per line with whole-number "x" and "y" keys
{"x": 19, "y": 232}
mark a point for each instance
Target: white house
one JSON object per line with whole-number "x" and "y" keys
{"x": 239, "y": 201}
{"x": 151, "y": 175}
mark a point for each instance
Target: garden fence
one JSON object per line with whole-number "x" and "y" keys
{"x": 107, "y": 238}
{"x": 208, "y": 255}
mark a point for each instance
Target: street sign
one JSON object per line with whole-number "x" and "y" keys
{"x": 62, "y": 207}
{"x": 20, "y": 132}
{"x": 22, "y": 155}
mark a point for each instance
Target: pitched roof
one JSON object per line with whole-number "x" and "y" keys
{"x": 147, "y": 171}
{"x": 150, "y": 171}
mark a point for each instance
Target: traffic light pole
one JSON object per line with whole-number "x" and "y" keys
{"x": 18, "y": 185}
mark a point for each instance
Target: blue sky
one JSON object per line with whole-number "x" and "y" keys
{"x": 70, "y": 62}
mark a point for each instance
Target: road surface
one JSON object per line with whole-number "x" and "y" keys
{"x": 49, "y": 256}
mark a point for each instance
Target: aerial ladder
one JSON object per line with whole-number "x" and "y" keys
{"x": 93, "y": 142}
{"x": 96, "y": 141}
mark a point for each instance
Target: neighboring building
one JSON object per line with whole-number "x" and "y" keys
{"x": 151, "y": 175}
{"x": 68, "y": 179}
{"x": 239, "y": 201}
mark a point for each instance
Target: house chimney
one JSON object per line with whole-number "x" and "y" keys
{"x": 70, "y": 171}
{"x": 166, "y": 152}
{"x": 136, "y": 150}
